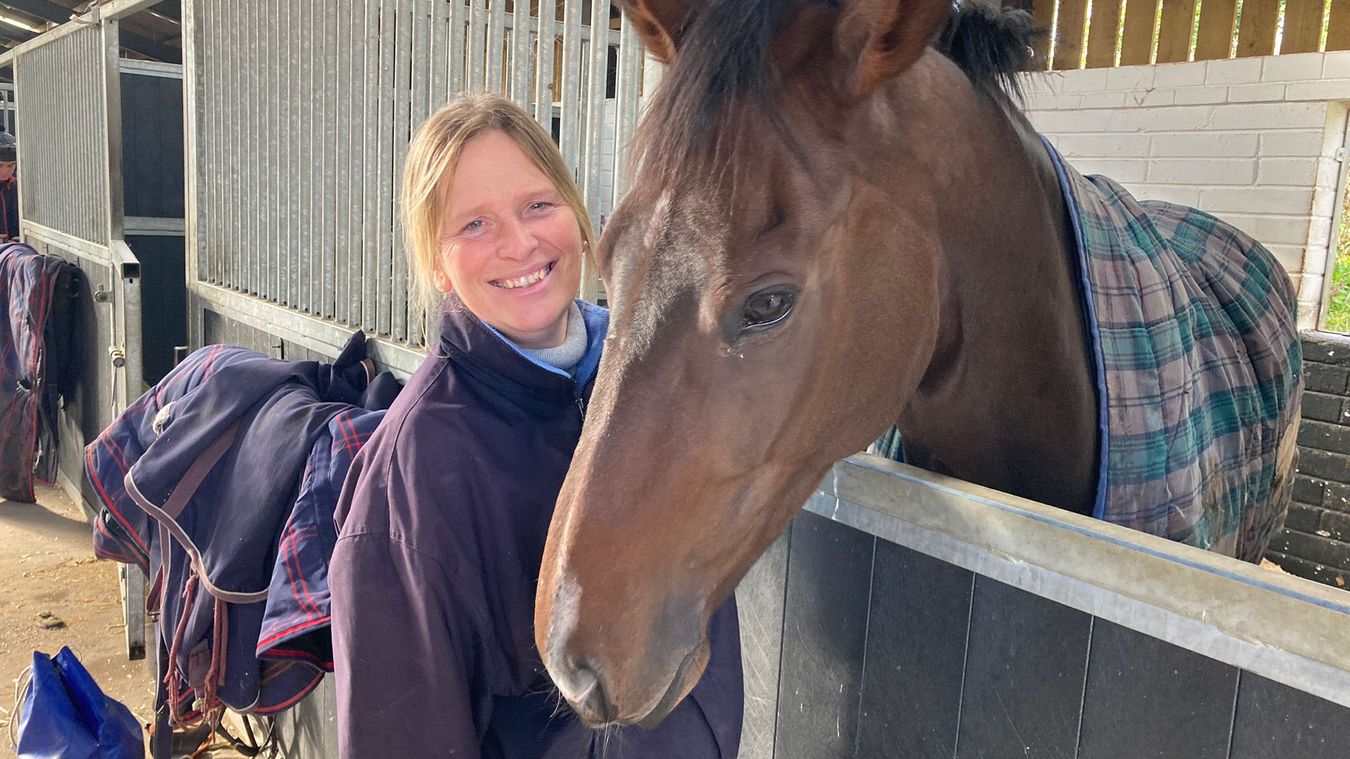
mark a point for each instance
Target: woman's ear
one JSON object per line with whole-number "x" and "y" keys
{"x": 441, "y": 281}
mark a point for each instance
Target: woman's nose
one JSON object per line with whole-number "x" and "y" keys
{"x": 517, "y": 241}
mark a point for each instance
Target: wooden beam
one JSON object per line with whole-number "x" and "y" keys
{"x": 1174, "y": 31}
{"x": 1256, "y": 35}
{"x": 1103, "y": 28}
{"x": 1338, "y": 30}
{"x": 1069, "y": 35}
{"x": 1137, "y": 45}
{"x": 1044, "y": 13}
{"x": 1215, "y": 41}
{"x": 1302, "y": 26}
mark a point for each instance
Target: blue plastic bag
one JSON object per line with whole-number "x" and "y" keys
{"x": 65, "y": 715}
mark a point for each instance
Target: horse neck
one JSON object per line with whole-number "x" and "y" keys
{"x": 1008, "y": 399}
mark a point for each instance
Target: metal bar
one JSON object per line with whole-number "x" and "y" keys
{"x": 152, "y": 226}
{"x": 496, "y": 46}
{"x": 628, "y": 85}
{"x": 1278, "y": 626}
{"x": 270, "y": 286}
{"x": 370, "y": 164}
{"x": 328, "y": 168}
{"x": 192, "y": 139}
{"x": 403, "y": 101}
{"x": 545, "y": 53}
{"x": 342, "y": 177}
{"x": 355, "y": 196}
{"x": 111, "y": 148}
{"x": 290, "y": 292}
{"x": 385, "y": 134}
{"x": 255, "y": 141}
{"x": 457, "y": 52}
{"x": 440, "y": 54}
{"x": 152, "y": 68}
{"x": 475, "y": 68}
{"x": 569, "y": 129}
{"x": 305, "y": 330}
{"x": 423, "y": 63}
{"x": 305, "y": 112}
{"x": 597, "y": 201}
{"x": 520, "y": 54}
{"x": 77, "y": 246}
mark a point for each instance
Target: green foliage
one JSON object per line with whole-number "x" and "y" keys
{"x": 1338, "y": 305}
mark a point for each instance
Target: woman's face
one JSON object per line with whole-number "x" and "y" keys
{"x": 510, "y": 245}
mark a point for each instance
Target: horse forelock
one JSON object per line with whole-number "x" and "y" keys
{"x": 705, "y": 104}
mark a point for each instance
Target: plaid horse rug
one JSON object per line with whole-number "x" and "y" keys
{"x": 1198, "y": 364}
{"x": 1198, "y": 367}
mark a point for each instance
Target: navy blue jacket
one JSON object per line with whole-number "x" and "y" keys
{"x": 442, "y": 523}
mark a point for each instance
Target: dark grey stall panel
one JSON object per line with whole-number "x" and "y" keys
{"x": 1274, "y": 720}
{"x": 88, "y": 402}
{"x": 1024, "y": 675}
{"x": 308, "y": 730}
{"x": 1149, "y": 698}
{"x": 828, "y": 581}
{"x": 152, "y": 145}
{"x": 759, "y": 601}
{"x": 223, "y": 329}
{"x": 916, "y": 651}
{"x": 163, "y": 301}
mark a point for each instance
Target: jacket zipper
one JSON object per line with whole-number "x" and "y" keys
{"x": 581, "y": 406}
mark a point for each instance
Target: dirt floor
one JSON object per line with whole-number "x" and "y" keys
{"x": 49, "y": 576}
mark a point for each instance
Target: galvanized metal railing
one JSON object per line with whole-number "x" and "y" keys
{"x": 66, "y": 184}
{"x": 299, "y": 116}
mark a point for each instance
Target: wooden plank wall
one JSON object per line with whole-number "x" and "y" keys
{"x": 1104, "y": 33}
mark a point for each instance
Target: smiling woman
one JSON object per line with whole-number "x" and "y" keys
{"x": 445, "y": 511}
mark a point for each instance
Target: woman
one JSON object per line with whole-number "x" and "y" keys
{"x": 445, "y": 511}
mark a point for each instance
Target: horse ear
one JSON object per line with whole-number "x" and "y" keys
{"x": 659, "y": 23}
{"x": 885, "y": 37}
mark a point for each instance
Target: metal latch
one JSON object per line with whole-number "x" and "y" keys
{"x": 118, "y": 356}
{"x": 102, "y": 294}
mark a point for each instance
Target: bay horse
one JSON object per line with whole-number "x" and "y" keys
{"x": 841, "y": 221}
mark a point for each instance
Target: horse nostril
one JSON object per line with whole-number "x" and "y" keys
{"x": 582, "y": 689}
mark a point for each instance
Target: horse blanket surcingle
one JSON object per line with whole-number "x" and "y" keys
{"x": 1198, "y": 364}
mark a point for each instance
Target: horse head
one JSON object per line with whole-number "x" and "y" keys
{"x": 774, "y": 281}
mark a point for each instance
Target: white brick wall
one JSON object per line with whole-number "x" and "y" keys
{"x": 1252, "y": 140}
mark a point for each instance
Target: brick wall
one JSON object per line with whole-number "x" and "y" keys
{"x": 1252, "y": 140}
{"x": 1316, "y": 540}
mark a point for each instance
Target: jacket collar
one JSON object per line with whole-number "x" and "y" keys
{"x": 466, "y": 337}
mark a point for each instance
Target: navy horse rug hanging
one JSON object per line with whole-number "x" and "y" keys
{"x": 1198, "y": 364}
{"x": 1198, "y": 369}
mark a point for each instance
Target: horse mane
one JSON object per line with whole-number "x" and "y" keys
{"x": 992, "y": 45}
{"x": 723, "y": 73}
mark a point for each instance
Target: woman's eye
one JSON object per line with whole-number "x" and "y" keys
{"x": 766, "y": 308}
{"x": 540, "y": 205}
{"x": 473, "y": 226}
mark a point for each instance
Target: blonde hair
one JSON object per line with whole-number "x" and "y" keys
{"x": 432, "y": 157}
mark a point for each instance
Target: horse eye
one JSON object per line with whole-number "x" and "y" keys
{"x": 766, "y": 308}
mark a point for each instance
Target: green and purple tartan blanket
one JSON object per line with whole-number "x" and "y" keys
{"x": 1198, "y": 366}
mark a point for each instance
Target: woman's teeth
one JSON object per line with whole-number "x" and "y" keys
{"x": 526, "y": 281}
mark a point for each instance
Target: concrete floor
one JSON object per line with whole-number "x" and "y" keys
{"x": 47, "y": 565}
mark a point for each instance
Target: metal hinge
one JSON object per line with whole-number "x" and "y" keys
{"x": 1340, "y": 155}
